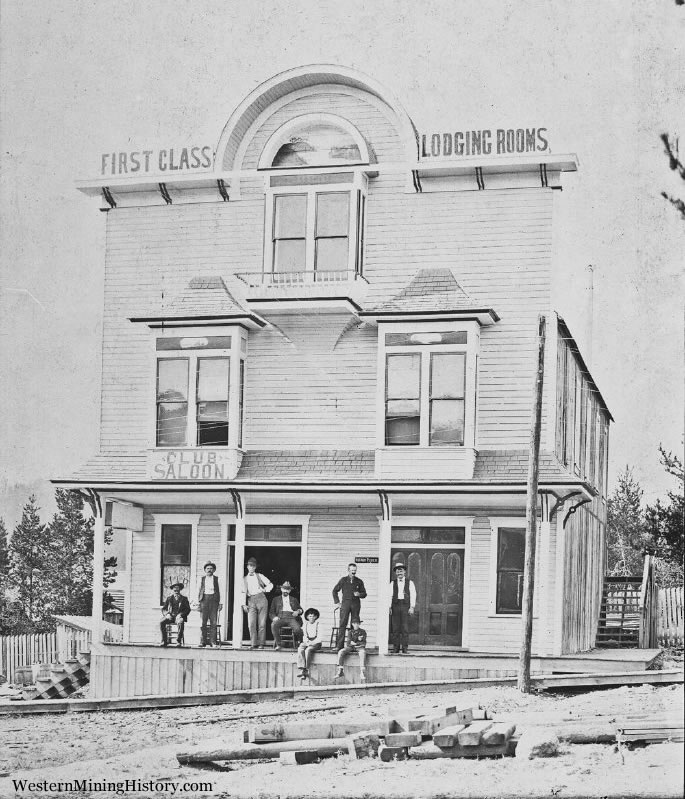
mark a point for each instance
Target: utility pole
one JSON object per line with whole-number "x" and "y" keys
{"x": 531, "y": 517}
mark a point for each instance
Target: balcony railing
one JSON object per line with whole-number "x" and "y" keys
{"x": 299, "y": 279}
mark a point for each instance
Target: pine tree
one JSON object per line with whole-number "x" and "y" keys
{"x": 665, "y": 522}
{"x": 70, "y": 536}
{"x": 4, "y": 580}
{"x": 29, "y": 555}
{"x": 626, "y": 527}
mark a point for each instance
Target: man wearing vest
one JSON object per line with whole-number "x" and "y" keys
{"x": 255, "y": 588}
{"x": 402, "y": 605}
{"x": 209, "y": 601}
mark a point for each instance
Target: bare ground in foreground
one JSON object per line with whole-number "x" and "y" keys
{"x": 141, "y": 745}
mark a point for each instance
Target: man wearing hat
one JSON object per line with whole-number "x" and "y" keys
{"x": 175, "y": 609}
{"x": 402, "y": 605}
{"x": 285, "y": 611}
{"x": 209, "y": 600}
{"x": 255, "y": 588}
{"x": 353, "y": 591}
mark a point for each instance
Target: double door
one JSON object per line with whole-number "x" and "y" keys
{"x": 438, "y": 575}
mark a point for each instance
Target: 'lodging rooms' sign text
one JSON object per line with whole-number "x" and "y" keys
{"x": 495, "y": 141}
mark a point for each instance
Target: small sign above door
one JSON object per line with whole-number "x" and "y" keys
{"x": 365, "y": 560}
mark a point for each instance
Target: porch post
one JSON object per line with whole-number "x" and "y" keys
{"x": 384, "y": 540}
{"x": 547, "y": 639}
{"x": 97, "y": 507}
{"x": 238, "y": 560}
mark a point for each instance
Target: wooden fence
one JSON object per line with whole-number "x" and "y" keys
{"x": 670, "y": 618}
{"x": 25, "y": 650}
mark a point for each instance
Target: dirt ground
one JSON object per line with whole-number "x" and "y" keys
{"x": 141, "y": 745}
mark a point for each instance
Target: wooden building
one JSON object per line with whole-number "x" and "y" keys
{"x": 321, "y": 350}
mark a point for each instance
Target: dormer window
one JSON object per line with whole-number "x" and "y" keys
{"x": 315, "y": 208}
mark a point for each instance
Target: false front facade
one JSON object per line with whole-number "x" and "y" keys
{"x": 322, "y": 351}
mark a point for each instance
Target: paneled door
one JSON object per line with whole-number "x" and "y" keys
{"x": 438, "y": 575}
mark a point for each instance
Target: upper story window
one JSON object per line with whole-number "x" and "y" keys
{"x": 194, "y": 396}
{"x": 314, "y": 212}
{"x": 429, "y": 397}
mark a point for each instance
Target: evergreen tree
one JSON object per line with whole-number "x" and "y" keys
{"x": 665, "y": 522}
{"x": 626, "y": 527}
{"x": 29, "y": 556}
{"x": 4, "y": 580}
{"x": 70, "y": 537}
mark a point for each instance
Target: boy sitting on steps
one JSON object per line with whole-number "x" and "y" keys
{"x": 356, "y": 643}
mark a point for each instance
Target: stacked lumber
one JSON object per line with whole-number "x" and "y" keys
{"x": 449, "y": 732}
{"x": 647, "y": 730}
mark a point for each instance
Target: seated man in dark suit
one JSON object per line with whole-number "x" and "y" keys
{"x": 285, "y": 611}
{"x": 175, "y": 609}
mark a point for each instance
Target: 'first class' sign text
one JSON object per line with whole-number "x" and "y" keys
{"x": 175, "y": 159}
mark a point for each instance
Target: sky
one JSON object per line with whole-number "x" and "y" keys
{"x": 79, "y": 78}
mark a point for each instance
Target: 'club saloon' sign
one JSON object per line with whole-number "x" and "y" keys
{"x": 191, "y": 464}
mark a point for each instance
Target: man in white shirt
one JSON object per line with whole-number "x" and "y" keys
{"x": 402, "y": 606}
{"x": 255, "y": 588}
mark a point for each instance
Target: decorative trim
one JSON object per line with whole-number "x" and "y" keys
{"x": 543, "y": 176}
{"x": 237, "y": 504}
{"x": 165, "y": 193}
{"x": 573, "y": 509}
{"x": 222, "y": 189}
{"x": 479, "y": 178}
{"x": 107, "y": 194}
{"x": 385, "y": 505}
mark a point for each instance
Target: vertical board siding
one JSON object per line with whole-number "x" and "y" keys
{"x": 583, "y": 577}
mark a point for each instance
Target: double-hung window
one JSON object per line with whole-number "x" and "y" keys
{"x": 194, "y": 385}
{"x": 426, "y": 389}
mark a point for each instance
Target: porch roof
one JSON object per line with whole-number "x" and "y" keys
{"x": 315, "y": 466}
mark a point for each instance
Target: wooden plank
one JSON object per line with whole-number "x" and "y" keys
{"x": 398, "y": 739}
{"x": 270, "y": 751}
{"x": 299, "y": 758}
{"x": 429, "y": 751}
{"x": 448, "y": 735}
{"x": 498, "y": 734}
{"x": 312, "y": 730}
{"x": 471, "y": 735}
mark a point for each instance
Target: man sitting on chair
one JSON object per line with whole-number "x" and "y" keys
{"x": 175, "y": 609}
{"x": 285, "y": 611}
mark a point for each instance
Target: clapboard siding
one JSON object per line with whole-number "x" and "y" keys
{"x": 490, "y": 633}
{"x": 497, "y": 243}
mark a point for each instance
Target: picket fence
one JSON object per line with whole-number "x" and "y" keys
{"x": 25, "y": 650}
{"x": 670, "y": 619}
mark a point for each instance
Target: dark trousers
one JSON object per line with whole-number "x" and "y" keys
{"x": 286, "y": 621}
{"x": 399, "y": 625}
{"x": 209, "y": 610}
{"x": 348, "y": 608}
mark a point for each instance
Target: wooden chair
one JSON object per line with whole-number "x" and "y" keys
{"x": 172, "y": 634}
{"x": 287, "y": 638}
{"x": 335, "y": 628}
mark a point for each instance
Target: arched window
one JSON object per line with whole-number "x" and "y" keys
{"x": 317, "y": 145}
{"x": 314, "y": 140}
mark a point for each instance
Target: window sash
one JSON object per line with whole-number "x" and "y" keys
{"x": 402, "y": 400}
{"x": 172, "y": 402}
{"x": 509, "y": 575}
{"x": 175, "y": 556}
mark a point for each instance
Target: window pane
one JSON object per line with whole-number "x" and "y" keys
{"x": 315, "y": 144}
{"x": 512, "y": 542}
{"x": 332, "y": 214}
{"x": 403, "y": 376}
{"x": 176, "y": 543}
{"x": 447, "y": 422}
{"x": 509, "y": 592}
{"x": 402, "y": 431}
{"x": 289, "y": 255}
{"x": 172, "y": 423}
{"x": 290, "y": 216}
{"x": 331, "y": 255}
{"x": 212, "y": 379}
{"x": 447, "y": 375}
{"x": 172, "y": 379}
{"x": 212, "y": 424}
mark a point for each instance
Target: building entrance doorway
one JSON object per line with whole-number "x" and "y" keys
{"x": 438, "y": 575}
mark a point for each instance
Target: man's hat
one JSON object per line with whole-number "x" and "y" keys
{"x": 311, "y": 610}
{"x": 209, "y": 563}
{"x": 399, "y": 566}
{"x": 286, "y": 584}
{"x": 180, "y": 585}
{"x": 252, "y": 562}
